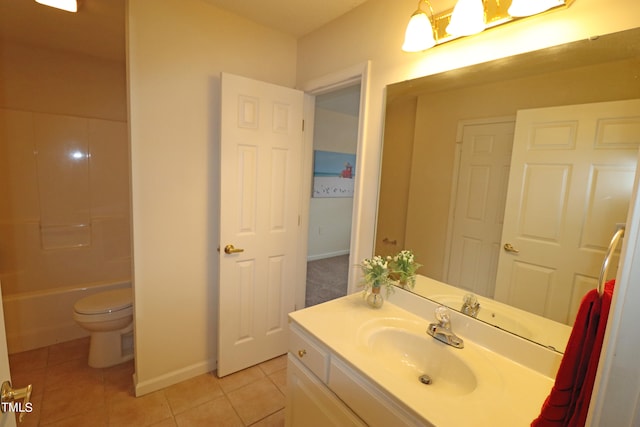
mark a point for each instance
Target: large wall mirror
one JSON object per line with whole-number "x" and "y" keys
{"x": 453, "y": 151}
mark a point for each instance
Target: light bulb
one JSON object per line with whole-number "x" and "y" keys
{"x": 467, "y": 18}
{"x": 419, "y": 34}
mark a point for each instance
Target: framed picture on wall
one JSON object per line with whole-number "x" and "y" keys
{"x": 333, "y": 174}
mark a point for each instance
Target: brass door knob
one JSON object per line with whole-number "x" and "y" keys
{"x": 8, "y": 395}
{"x": 230, "y": 249}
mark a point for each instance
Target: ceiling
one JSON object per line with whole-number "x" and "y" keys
{"x": 98, "y": 28}
{"x": 295, "y": 17}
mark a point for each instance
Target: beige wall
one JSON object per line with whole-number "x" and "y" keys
{"x": 177, "y": 49}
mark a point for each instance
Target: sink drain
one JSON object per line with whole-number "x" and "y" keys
{"x": 425, "y": 379}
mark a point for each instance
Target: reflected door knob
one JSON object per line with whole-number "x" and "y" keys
{"x": 509, "y": 248}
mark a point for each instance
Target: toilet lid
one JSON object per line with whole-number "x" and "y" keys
{"x": 105, "y": 302}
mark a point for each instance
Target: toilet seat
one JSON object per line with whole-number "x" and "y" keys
{"x": 105, "y": 302}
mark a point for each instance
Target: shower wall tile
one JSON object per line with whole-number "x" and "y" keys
{"x": 79, "y": 176}
{"x": 62, "y": 153}
{"x": 109, "y": 168}
{"x": 18, "y": 178}
{"x": 115, "y": 235}
{"x": 32, "y": 269}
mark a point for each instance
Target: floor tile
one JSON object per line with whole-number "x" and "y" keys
{"x": 95, "y": 418}
{"x": 69, "y": 393}
{"x": 139, "y": 411}
{"x": 70, "y": 350}
{"x": 73, "y": 400}
{"x": 70, "y": 374}
{"x": 28, "y": 360}
{"x": 279, "y": 378}
{"x": 241, "y": 378}
{"x": 274, "y": 365}
{"x": 118, "y": 381}
{"x": 36, "y": 377}
{"x": 218, "y": 409}
{"x": 257, "y": 400}
{"x": 193, "y": 392}
{"x": 32, "y": 419}
{"x": 274, "y": 420}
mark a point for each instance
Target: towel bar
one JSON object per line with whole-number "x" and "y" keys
{"x": 605, "y": 264}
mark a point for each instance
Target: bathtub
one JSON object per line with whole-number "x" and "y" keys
{"x": 38, "y": 319}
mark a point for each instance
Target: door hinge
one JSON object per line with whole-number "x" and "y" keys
{"x": 303, "y": 126}
{"x": 299, "y": 220}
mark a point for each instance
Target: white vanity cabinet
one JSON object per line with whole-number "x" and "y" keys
{"x": 351, "y": 365}
{"x": 323, "y": 390}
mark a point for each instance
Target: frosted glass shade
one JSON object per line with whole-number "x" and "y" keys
{"x": 467, "y": 18}
{"x": 521, "y": 8}
{"x": 419, "y": 33}
{"x": 68, "y": 5}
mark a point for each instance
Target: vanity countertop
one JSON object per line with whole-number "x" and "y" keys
{"x": 506, "y": 394}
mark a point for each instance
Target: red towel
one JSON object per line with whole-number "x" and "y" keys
{"x": 568, "y": 402}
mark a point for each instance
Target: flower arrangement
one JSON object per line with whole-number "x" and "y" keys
{"x": 381, "y": 272}
{"x": 403, "y": 268}
{"x": 376, "y": 273}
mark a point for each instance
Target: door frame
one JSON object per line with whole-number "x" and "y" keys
{"x": 454, "y": 181}
{"x": 328, "y": 83}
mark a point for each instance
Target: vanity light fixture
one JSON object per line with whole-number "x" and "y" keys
{"x": 468, "y": 17}
{"x": 419, "y": 34}
{"x": 68, "y": 5}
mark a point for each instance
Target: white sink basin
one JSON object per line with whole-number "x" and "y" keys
{"x": 405, "y": 349}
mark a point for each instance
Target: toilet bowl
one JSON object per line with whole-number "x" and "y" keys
{"x": 108, "y": 316}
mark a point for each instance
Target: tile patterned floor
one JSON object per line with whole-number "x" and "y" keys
{"x": 67, "y": 392}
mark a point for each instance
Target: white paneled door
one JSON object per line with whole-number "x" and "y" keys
{"x": 572, "y": 173}
{"x": 260, "y": 166}
{"x": 479, "y": 206}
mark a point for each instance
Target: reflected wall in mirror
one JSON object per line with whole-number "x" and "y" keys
{"x": 424, "y": 127}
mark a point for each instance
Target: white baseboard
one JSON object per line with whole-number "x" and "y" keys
{"x": 327, "y": 255}
{"x": 174, "y": 377}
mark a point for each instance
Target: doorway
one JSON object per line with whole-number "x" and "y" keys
{"x": 335, "y": 144}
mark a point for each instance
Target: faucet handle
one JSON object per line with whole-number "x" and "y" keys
{"x": 470, "y": 300}
{"x": 442, "y": 315}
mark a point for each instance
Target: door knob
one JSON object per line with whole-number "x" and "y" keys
{"x": 509, "y": 248}
{"x": 230, "y": 249}
{"x": 8, "y": 395}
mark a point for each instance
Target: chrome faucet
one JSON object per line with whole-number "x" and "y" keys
{"x": 442, "y": 330}
{"x": 470, "y": 305}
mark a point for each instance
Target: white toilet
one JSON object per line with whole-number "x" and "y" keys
{"x": 109, "y": 317}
